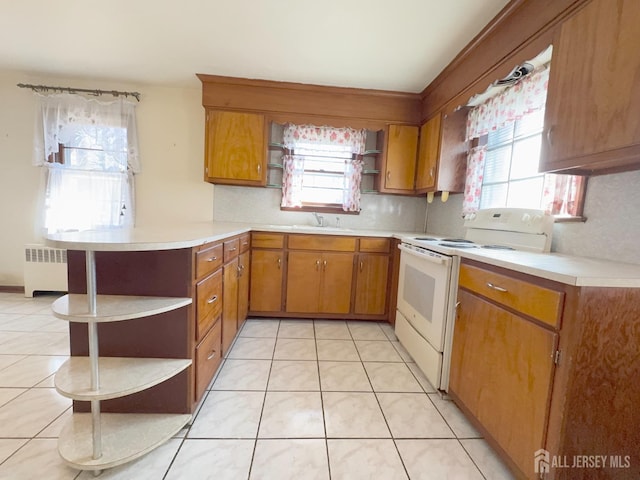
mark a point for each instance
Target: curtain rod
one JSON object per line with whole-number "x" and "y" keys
{"x": 95, "y": 92}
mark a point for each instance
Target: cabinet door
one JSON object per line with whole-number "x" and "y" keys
{"x": 304, "y": 272}
{"x": 235, "y": 148}
{"x": 266, "y": 280}
{"x": 501, "y": 370}
{"x": 337, "y": 275}
{"x": 400, "y": 162}
{"x": 593, "y": 110}
{"x": 229, "y": 304}
{"x": 243, "y": 287}
{"x": 371, "y": 284}
{"x": 428, "y": 154}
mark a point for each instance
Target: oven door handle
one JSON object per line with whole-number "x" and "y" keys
{"x": 430, "y": 257}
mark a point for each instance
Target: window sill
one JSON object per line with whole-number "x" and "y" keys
{"x": 337, "y": 209}
{"x": 580, "y": 219}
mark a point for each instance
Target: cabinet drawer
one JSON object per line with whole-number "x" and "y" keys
{"x": 208, "y": 300}
{"x": 533, "y": 300}
{"x": 267, "y": 240}
{"x": 208, "y": 260}
{"x": 231, "y": 249}
{"x": 322, "y": 242}
{"x": 375, "y": 245}
{"x": 208, "y": 357}
{"x": 245, "y": 242}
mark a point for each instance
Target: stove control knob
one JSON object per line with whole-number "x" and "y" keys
{"x": 526, "y": 218}
{"x": 536, "y": 219}
{"x": 470, "y": 216}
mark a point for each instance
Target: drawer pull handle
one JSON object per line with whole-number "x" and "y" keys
{"x": 212, "y": 259}
{"x": 324, "y": 265}
{"x": 361, "y": 265}
{"x": 233, "y": 249}
{"x": 279, "y": 263}
{"x": 212, "y": 299}
{"x": 212, "y": 355}
{"x": 496, "y": 288}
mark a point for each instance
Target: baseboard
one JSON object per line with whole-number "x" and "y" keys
{"x": 11, "y": 289}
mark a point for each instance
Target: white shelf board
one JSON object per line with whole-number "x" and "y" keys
{"x": 119, "y": 376}
{"x": 113, "y": 308}
{"x": 125, "y": 437}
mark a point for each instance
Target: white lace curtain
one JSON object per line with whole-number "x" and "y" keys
{"x": 90, "y": 184}
{"x": 343, "y": 140}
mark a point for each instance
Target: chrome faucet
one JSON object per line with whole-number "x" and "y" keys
{"x": 319, "y": 219}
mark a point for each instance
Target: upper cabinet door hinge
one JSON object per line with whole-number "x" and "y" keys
{"x": 556, "y": 357}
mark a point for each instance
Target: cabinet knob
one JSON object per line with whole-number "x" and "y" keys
{"x": 324, "y": 265}
{"x": 259, "y": 168}
{"x": 361, "y": 265}
{"x": 317, "y": 265}
{"x": 279, "y": 263}
{"x": 212, "y": 259}
{"x": 388, "y": 175}
{"x": 431, "y": 172}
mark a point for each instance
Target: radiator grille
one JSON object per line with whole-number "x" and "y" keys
{"x": 42, "y": 254}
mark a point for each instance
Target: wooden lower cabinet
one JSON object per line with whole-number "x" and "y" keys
{"x": 244, "y": 265}
{"x": 208, "y": 357}
{"x": 501, "y": 371}
{"x": 267, "y": 268}
{"x": 371, "y": 284}
{"x": 537, "y": 364}
{"x": 319, "y": 282}
{"x": 229, "y": 304}
{"x": 320, "y": 276}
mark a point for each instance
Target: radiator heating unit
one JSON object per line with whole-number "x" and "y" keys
{"x": 45, "y": 269}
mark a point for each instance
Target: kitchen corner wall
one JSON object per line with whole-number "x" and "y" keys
{"x": 262, "y": 205}
{"x": 611, "y": 231}
{"x": 170, "y": 187}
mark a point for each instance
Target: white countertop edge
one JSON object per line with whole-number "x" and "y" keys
{"x": 569, "y": 270}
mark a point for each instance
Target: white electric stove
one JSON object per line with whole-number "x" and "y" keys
{"x": 428, "y": 280}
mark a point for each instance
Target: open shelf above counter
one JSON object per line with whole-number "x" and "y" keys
{"x": 114, "y": 308}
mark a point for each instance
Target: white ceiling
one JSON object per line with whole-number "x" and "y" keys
{"x": 383, "y": 44}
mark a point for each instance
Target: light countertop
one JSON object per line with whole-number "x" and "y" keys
{"x": 571, "y": 270}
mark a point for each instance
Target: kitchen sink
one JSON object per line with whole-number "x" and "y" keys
{"x": 309, "y": 228}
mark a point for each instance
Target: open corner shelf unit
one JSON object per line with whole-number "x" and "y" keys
{"x": 97, "y": 441}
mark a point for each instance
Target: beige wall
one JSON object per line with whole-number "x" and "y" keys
{"x": 169, "y": 188}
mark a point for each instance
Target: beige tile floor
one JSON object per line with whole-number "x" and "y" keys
{"x": 295, "y": 399}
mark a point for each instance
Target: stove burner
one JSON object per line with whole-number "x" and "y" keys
{"x": 456, "y": 240}
{"x": 426, "y": 239}
{"x": 457, "y": 245}
{"x": 498, "y": 247}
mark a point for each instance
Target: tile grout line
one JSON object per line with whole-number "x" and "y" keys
{"x": 324, "y": 420}
{"x": 264, "y": 401}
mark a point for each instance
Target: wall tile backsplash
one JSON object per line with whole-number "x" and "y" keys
{"x": 262, "y": 205}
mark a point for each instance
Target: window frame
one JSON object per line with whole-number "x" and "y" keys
{"x": 580, "y": 196}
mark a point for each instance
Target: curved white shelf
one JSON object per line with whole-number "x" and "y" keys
{"x": 125, "y": 437}
{"x": 113, "y": 308}
{"x": 119, "y": 376}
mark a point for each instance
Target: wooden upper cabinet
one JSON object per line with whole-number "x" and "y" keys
{"x": 592, "y": 117}
{"x": 235, "y": 146}
{"x": 442, "y": 153}
{"x": 428, "y": 152}
{"x": 399, "y": 165}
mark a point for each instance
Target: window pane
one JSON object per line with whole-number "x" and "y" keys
{"x": 493, "y": 195}
{"x": 500, "y": 136}
{"x": 530, "y": 123}
{"x": 526, "y": 156}
{"x": 320, "y": 195}
{"x": 496, "y": 166}
{"x": 525, "y": 193}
